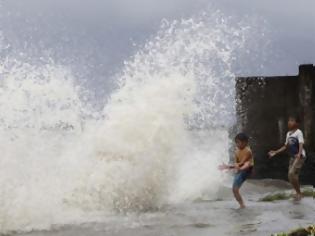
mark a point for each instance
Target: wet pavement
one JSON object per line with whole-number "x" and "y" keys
{"x": 204, "y": 217}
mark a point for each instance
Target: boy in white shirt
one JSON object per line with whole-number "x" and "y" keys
{"x": 294, "y": 145}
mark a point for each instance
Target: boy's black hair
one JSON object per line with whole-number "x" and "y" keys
{"x": 295, "y": 117}
{"x": 242, "y": 137}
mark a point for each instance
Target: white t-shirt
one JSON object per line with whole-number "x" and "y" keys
{"x": 293, "y": 139}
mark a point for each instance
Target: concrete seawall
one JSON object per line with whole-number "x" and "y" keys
{"x": 263, "y": 105}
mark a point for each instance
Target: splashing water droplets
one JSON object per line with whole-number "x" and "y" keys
{"x": 158, "y": 140}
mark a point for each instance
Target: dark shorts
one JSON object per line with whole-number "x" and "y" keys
{"x": 240, "y": 177}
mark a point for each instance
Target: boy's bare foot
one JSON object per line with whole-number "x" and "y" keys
{"x": 297, "y": 197}
{"x": 242, "y": 206}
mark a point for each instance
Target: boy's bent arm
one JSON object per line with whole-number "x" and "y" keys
{"x": 248, "y": 157}
{"x": 246, "y": 165}
{"x": 235, "y": 165}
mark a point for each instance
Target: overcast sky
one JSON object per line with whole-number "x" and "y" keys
{"x": 95, "y": 37}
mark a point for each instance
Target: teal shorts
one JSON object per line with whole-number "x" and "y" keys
{"x": 240, "y": 177}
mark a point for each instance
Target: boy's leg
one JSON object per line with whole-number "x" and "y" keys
{"x": 293, "y": 175}
{"x": 238, "y": 197}
{"x": 238, "y": 181}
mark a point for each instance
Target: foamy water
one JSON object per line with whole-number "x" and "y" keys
{"x": 158, "y": 140}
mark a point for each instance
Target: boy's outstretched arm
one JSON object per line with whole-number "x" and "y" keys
{"x": 238, "y": 166}
{"x": 228, "y": 167}
{"x": 272, "y": 153}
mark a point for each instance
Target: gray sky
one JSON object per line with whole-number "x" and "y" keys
{"x": 94, "y": 37}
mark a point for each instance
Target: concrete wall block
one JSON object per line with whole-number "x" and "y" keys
{"x": 263, "y": 105}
